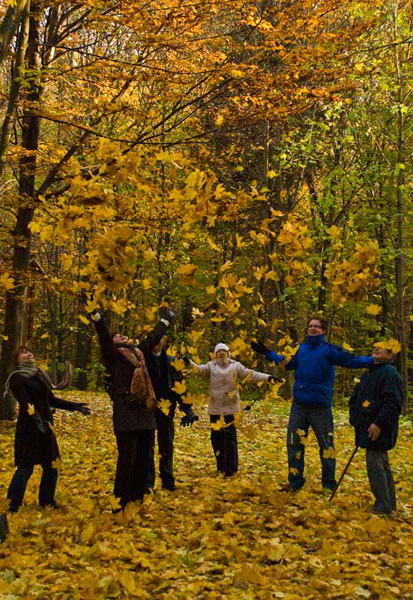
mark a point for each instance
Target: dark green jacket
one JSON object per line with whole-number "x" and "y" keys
{"x": 378, "y": 399}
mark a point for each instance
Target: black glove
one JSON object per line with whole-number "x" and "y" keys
{"x": 189, "y": 418}
{"x": 168, "y": 314}
{"x": 186, "y": 361}
{"x": 83, "y": 408}
{"x": 259, "y": 347}
{"x": 271, "y": 379}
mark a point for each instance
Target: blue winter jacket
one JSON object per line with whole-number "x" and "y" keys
{"x": 314, "y": 364}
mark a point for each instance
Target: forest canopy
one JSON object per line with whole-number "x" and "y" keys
{"x": 245, "y": 162}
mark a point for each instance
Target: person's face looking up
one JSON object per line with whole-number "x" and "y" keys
{"x": 119, "y": 338}
{"x": 25, "y": 354}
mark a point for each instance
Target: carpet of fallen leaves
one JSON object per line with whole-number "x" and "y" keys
{"x": 239, "y": 538}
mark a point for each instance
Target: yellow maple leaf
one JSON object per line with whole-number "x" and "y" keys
{"x": 147, "y": 283}
{"x": 187, "y": 269}
{"x": 347, "y": 347}
{"x": 366, "y": 403}
{"x": 114, "y": 503}
{"x": 220, "y": 424}
{"x": 180, "y": 387}
{"x": 164, "y": 405}
{"x": 329, "y": 452}
{"x": 226, "y": 266}
{"x": 391, "y": 344}
{"x": 373, "y": 309}
{"x": 57, "y": 464}
{"x": 149, "y": 254}
{"x": 178, "y": 364}
{"x": 129, "y": 581}
{"x": 30, "y": 409}
{"x": 334, "y": 231}
{"x": 6, "y": 281}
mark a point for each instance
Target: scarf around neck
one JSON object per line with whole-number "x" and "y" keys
{"x": 28, "y": 369}
{"x": 141, "y": 384}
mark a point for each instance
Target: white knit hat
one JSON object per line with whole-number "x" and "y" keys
{"x": 221, "y": 346}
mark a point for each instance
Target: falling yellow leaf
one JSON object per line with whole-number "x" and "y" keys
{"x": 57, "y": 464}
{"x": 220, "y": 424}
{"x": 329, "y": 452}
{"x": 373, "y": 309}
{"x": 164, "y": 405}
{"x": 30, "y": 409}
{"x": 180, "y": 387}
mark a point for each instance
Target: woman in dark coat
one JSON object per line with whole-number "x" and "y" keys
{"x": 35, "y": 441}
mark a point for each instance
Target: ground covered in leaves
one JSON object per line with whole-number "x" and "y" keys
{"x": 213, "y": 538}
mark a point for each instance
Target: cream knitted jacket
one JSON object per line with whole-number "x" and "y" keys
{"x": 224, "y": 383}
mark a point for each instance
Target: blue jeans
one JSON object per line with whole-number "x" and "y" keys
{"x": 320, "y": 419}
{"x": 18, "y": 485}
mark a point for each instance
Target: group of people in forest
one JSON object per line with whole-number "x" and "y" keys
{"x": 141, "y": 377}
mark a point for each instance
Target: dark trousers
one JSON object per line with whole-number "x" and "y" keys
{"x": 165, "y": 432}
{"x": 320, "y": 419}
{"x": 381, "y": 480}
{"x": 134, "y": 454}
{"x": 225, "y": 445}
{"x": 18, "y": 485}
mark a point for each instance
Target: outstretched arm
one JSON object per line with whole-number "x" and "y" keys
{"x": 340, "y": 357}
{"x": 109, "y": 353}
{"x": 67, "y": 405}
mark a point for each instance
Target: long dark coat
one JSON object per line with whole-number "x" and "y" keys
{"x": 35, "y": 442}
{"x": 378, "y": 399}
{"x": 127, "y": 415}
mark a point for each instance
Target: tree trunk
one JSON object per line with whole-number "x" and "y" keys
{"x": 400, "y": 255}
{"x": 13, "y": 319}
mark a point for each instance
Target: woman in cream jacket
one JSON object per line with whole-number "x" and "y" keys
{"x": 225, "y": 375}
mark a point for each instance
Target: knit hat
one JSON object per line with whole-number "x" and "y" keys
{"x": 221, "y": 346}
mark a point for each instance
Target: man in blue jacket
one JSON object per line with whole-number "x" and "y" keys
{"x": 375, "y": 407}
{"x": 314, "y": 364}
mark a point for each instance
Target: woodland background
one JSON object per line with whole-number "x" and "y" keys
{"x": 246, "y": 162}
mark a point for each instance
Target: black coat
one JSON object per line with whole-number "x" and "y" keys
{"x": 163, "y": 376}
{"x": 378, "y": 399}
{"x": 35, "y": 442}
{"x": 127, "y": 415}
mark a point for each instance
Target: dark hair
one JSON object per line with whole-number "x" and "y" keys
{"x": 323, "y": 322}
{"x": 14, "y": 360}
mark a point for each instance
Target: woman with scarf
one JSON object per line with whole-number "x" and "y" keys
{"x": 224, "y": 375}
{"x": 35, "y": 441}
{"x": 134, "y": 403}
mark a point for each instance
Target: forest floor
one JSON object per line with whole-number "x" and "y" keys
{"x": 238, "y": 538}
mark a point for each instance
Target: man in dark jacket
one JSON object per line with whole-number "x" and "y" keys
{"x": 375, "y": 406}
{"x": 134, "y": 404}
{"x": 314, "y": 364}
{"x": 164, "y": 376}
